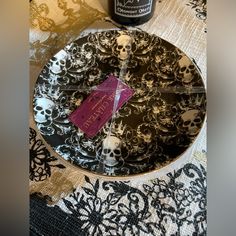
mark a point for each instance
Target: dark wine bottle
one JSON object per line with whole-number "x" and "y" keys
{"x": 131, "y": 12}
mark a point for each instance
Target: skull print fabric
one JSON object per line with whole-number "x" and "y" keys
{"x": 160, "y": 121}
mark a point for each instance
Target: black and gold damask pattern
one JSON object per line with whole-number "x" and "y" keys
{"x": 157, "y": 125}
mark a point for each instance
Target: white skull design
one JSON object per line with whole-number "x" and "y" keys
{"x": 57, "y": 66}
{"x": 186, "y": 69}
{"x": 58, "y": 62}
{"x": 191, "y": 121}
{"x": 43, "y": 109}
{"x": 124, "y": 45}
{"x": 111, "y": 150}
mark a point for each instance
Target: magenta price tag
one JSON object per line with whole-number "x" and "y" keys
{"x": 98, "y": 107}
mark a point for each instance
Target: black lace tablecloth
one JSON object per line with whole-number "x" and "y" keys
{"x": 174, "y": 205}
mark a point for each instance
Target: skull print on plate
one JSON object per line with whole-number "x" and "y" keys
{"x": 154, "y": 128}
{"x": 186, "y": 69}
{"x": 191, "y": 121}
{"x": 123, "y": 46}
{"x": 111, "y": 151}
{"x": 43, "y": 109}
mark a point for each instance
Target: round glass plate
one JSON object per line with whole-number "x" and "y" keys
{"x": 154, "y": 128}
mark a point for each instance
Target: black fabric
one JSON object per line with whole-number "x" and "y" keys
{"x": 45, "y": 220}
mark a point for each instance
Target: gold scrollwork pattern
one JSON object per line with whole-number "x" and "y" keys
{"x": 53, "y": 24}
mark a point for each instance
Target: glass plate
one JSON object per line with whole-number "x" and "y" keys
{"x": 156, "y": 126}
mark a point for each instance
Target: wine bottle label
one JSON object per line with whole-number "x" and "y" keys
{"x": 133, "y": 8}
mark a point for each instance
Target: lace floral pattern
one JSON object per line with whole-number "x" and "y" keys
{"x": 200, "y": 7}
{"x": 162, "y": 207}
{"x": 41, "y": 160}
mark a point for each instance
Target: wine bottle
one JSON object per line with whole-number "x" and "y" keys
{"x": 131, "y": 12}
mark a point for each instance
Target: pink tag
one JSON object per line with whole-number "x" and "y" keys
{"x": 97, "y": 109}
